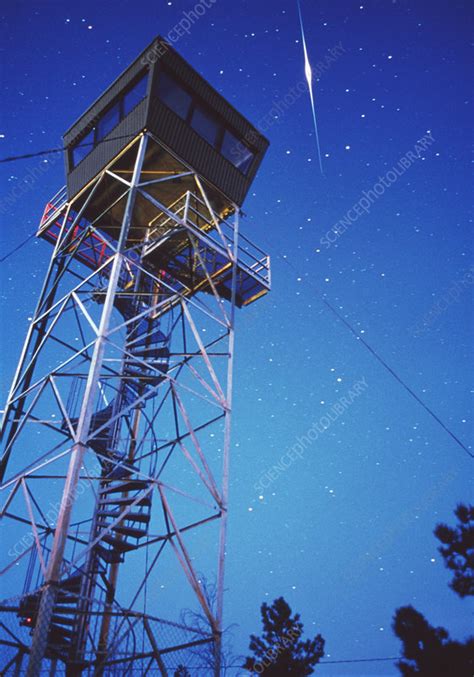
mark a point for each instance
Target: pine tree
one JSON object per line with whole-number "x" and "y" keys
{"x": 458, "y": 550}
{"x": 280, "y": 650}
{"x": 429, "y": 651}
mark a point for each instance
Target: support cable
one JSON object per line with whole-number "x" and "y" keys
{"x": 50, "y": 151}
{"x": 383, "y": 362}
{"x": 18, "y": 246}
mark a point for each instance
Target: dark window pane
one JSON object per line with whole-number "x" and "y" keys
{"x": 108, "y": 121}
{"x": 205, "y": 125}
{"x": 83, "y": 148}
{"x": 133, "y": 97}
{"x": 173, "y": 95}
{"x": 237, "y": 152}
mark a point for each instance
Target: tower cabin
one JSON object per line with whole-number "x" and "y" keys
{"x": 200, "y": 160}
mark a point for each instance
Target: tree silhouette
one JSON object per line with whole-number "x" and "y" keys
{"x": 280, "y": 650}
{"x": 429, "y": 651}
{"x": 458, "y": 549}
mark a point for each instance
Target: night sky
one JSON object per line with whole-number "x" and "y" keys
{"x": 345, "y": 532}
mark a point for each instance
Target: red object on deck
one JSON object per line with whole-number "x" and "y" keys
{"x": 93, "y": 250}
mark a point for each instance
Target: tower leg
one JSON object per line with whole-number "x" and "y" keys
{"x": 48, "y": 596}
{"x": 226, "y": 456}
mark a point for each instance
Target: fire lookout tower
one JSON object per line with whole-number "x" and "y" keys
{"x": 116, "y": 432}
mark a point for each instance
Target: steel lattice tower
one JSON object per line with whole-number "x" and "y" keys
{"x": 116, "y": 432}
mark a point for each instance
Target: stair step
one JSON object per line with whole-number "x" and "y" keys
{"x": 146, "y": 335}
{"x": 131, "y": 516}
{"x": 61, "y": 609}
{"x": 135, "y": 367}
{"x": 146, "y": 376}
{"x": 98, "y": 418}
{"x": 62, "y": 620}
{"x": 130, "y": 531}
{"x": 131, "y": 485}
{"x": 66, "y": 598}
{"x": 102, "y": 415}
{"x": 61, "y": 632}
{"x": 104, "y": 433}
{"x": 150, "y": 351}
{"x": 118, "y": 473}
{"x": 119, "y": 545}
{"x": 125, "y": 530}
{"x": 147, "y": 380}
{"x": 73, "y": 583}
{"x": 109, "y": 556}
{"x": 126, "y": 306}
{"x": 99, "y": 445}
{"x": 57, "y": 652}
{"x": 126, "y": 500}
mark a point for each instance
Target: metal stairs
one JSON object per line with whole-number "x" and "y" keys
{"x": 144, "y": 367}
{"x": 64, "y": 615}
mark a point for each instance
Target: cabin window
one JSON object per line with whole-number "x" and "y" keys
{"x": 236, "y": 152}
{"x": 134, "y": 95}
{"x": 205, "y": 125}
{"x": 83, "y": 148}
{"x": 174, "y": 96}
{"x": 108, "y": 121}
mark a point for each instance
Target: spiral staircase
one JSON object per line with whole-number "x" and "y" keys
{"x": 123, "y": 509}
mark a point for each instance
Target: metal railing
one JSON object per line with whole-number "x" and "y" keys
{"x": 188, "y": 211}
{"x": 191, "y": 211}
{"x": 53, "y": 207}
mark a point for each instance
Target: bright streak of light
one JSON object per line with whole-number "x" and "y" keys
{"x": 309, "y": 77}
{"x": 308, "y": 72}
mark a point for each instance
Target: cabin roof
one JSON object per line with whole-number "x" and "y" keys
{"x": 155, "y": 41}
